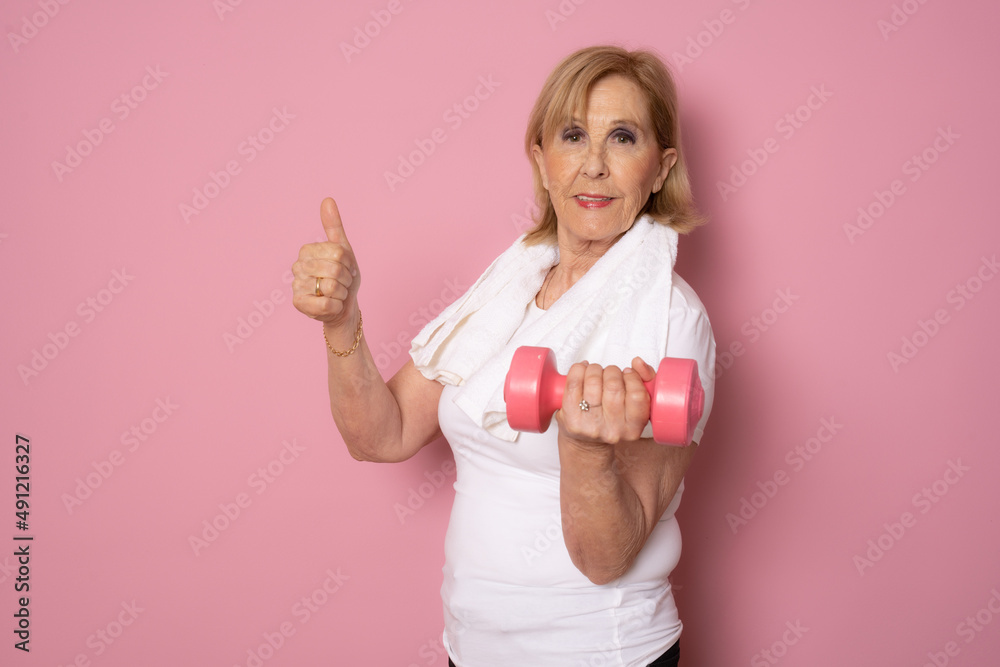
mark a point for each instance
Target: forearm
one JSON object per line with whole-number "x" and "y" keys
{"x": 365, "y": 410}
{"x": 379, "y": 421}
{"x": 604, "y": 523}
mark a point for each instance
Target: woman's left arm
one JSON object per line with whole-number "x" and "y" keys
{"x": 615, "y": 485}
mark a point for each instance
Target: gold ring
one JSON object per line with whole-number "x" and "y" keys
{"x": 319, "y": 292}
{"x": 584, "y": 405}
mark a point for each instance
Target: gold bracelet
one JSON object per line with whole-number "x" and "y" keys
{"x": 357, "y": 339}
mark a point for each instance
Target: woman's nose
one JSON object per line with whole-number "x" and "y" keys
{"x": 595, "y": 163}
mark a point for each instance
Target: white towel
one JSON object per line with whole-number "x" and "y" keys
{"x": 626, "y": 293}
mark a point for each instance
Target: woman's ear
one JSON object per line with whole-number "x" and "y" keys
{"x": 668, "y": 158}
{"x": 536, "y": 154}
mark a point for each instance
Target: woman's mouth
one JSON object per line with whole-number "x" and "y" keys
{"x": 593, "y": 200}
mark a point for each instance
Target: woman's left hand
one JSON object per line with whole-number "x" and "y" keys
{"x": 605, "y": 405}
{"x": 614, "y": 484}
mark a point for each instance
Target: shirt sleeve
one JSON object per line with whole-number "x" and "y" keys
{"x": 690, "y": 337}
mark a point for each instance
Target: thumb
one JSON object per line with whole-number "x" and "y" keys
{"x": 645, "y": 371}
{"x": 329, "y": 215}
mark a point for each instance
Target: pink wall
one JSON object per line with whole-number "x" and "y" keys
{"x": 152, "y": 356}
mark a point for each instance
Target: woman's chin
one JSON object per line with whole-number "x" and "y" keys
{"x": 590, "y": 225}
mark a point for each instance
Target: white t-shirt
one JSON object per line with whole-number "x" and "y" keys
{"x": 512, "y": 596}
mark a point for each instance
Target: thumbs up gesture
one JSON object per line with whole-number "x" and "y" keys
{"x": 326, "y": 274}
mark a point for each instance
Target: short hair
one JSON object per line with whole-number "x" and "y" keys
{"x": 566, "y": 92}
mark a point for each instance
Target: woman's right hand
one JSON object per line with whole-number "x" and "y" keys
{"x": 369, "y": 412}
{"x": 331, "y": 268}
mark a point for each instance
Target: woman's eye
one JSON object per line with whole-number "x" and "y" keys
{"x": 572, "y": 136}
{"x": 624, "y": 138}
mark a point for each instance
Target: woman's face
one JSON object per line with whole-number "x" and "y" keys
{"x": 600, "y": 170}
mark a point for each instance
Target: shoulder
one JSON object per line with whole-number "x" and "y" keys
{"x": 687, "y": 313}
{"x": 689, "y": 335}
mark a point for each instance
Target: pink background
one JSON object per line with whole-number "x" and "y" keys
{"x": 201, "y": 321}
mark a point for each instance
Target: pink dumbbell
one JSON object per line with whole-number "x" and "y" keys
{"x": 534, "y": 389}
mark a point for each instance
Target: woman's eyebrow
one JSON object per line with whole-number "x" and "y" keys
{"x": 618, "y": 121}
{"x": 626, "y": 122}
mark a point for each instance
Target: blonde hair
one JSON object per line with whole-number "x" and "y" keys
{"x": 566, "y": 91}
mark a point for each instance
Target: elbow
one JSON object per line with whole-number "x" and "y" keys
{"x": 600, "y": 576}
{"x": 359, "y": 455}
{"x": 603, "y": 561}
{"x": 372, "y": 453}
{"x": 600, "y": 571}
{"x": 361, "y": 451}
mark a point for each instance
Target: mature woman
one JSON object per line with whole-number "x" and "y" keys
{"x": 559, "y": 544}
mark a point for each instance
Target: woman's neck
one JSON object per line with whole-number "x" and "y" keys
{"x": 575, "y": 259}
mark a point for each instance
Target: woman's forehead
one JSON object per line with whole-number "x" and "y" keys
{"x": 611, "y": 99}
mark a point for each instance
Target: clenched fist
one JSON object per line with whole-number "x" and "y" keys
{"x": 605, "y": 404}
{"x": 326, "y": 274}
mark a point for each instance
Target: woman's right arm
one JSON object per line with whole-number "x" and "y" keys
{"x": 379, "y": 421}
